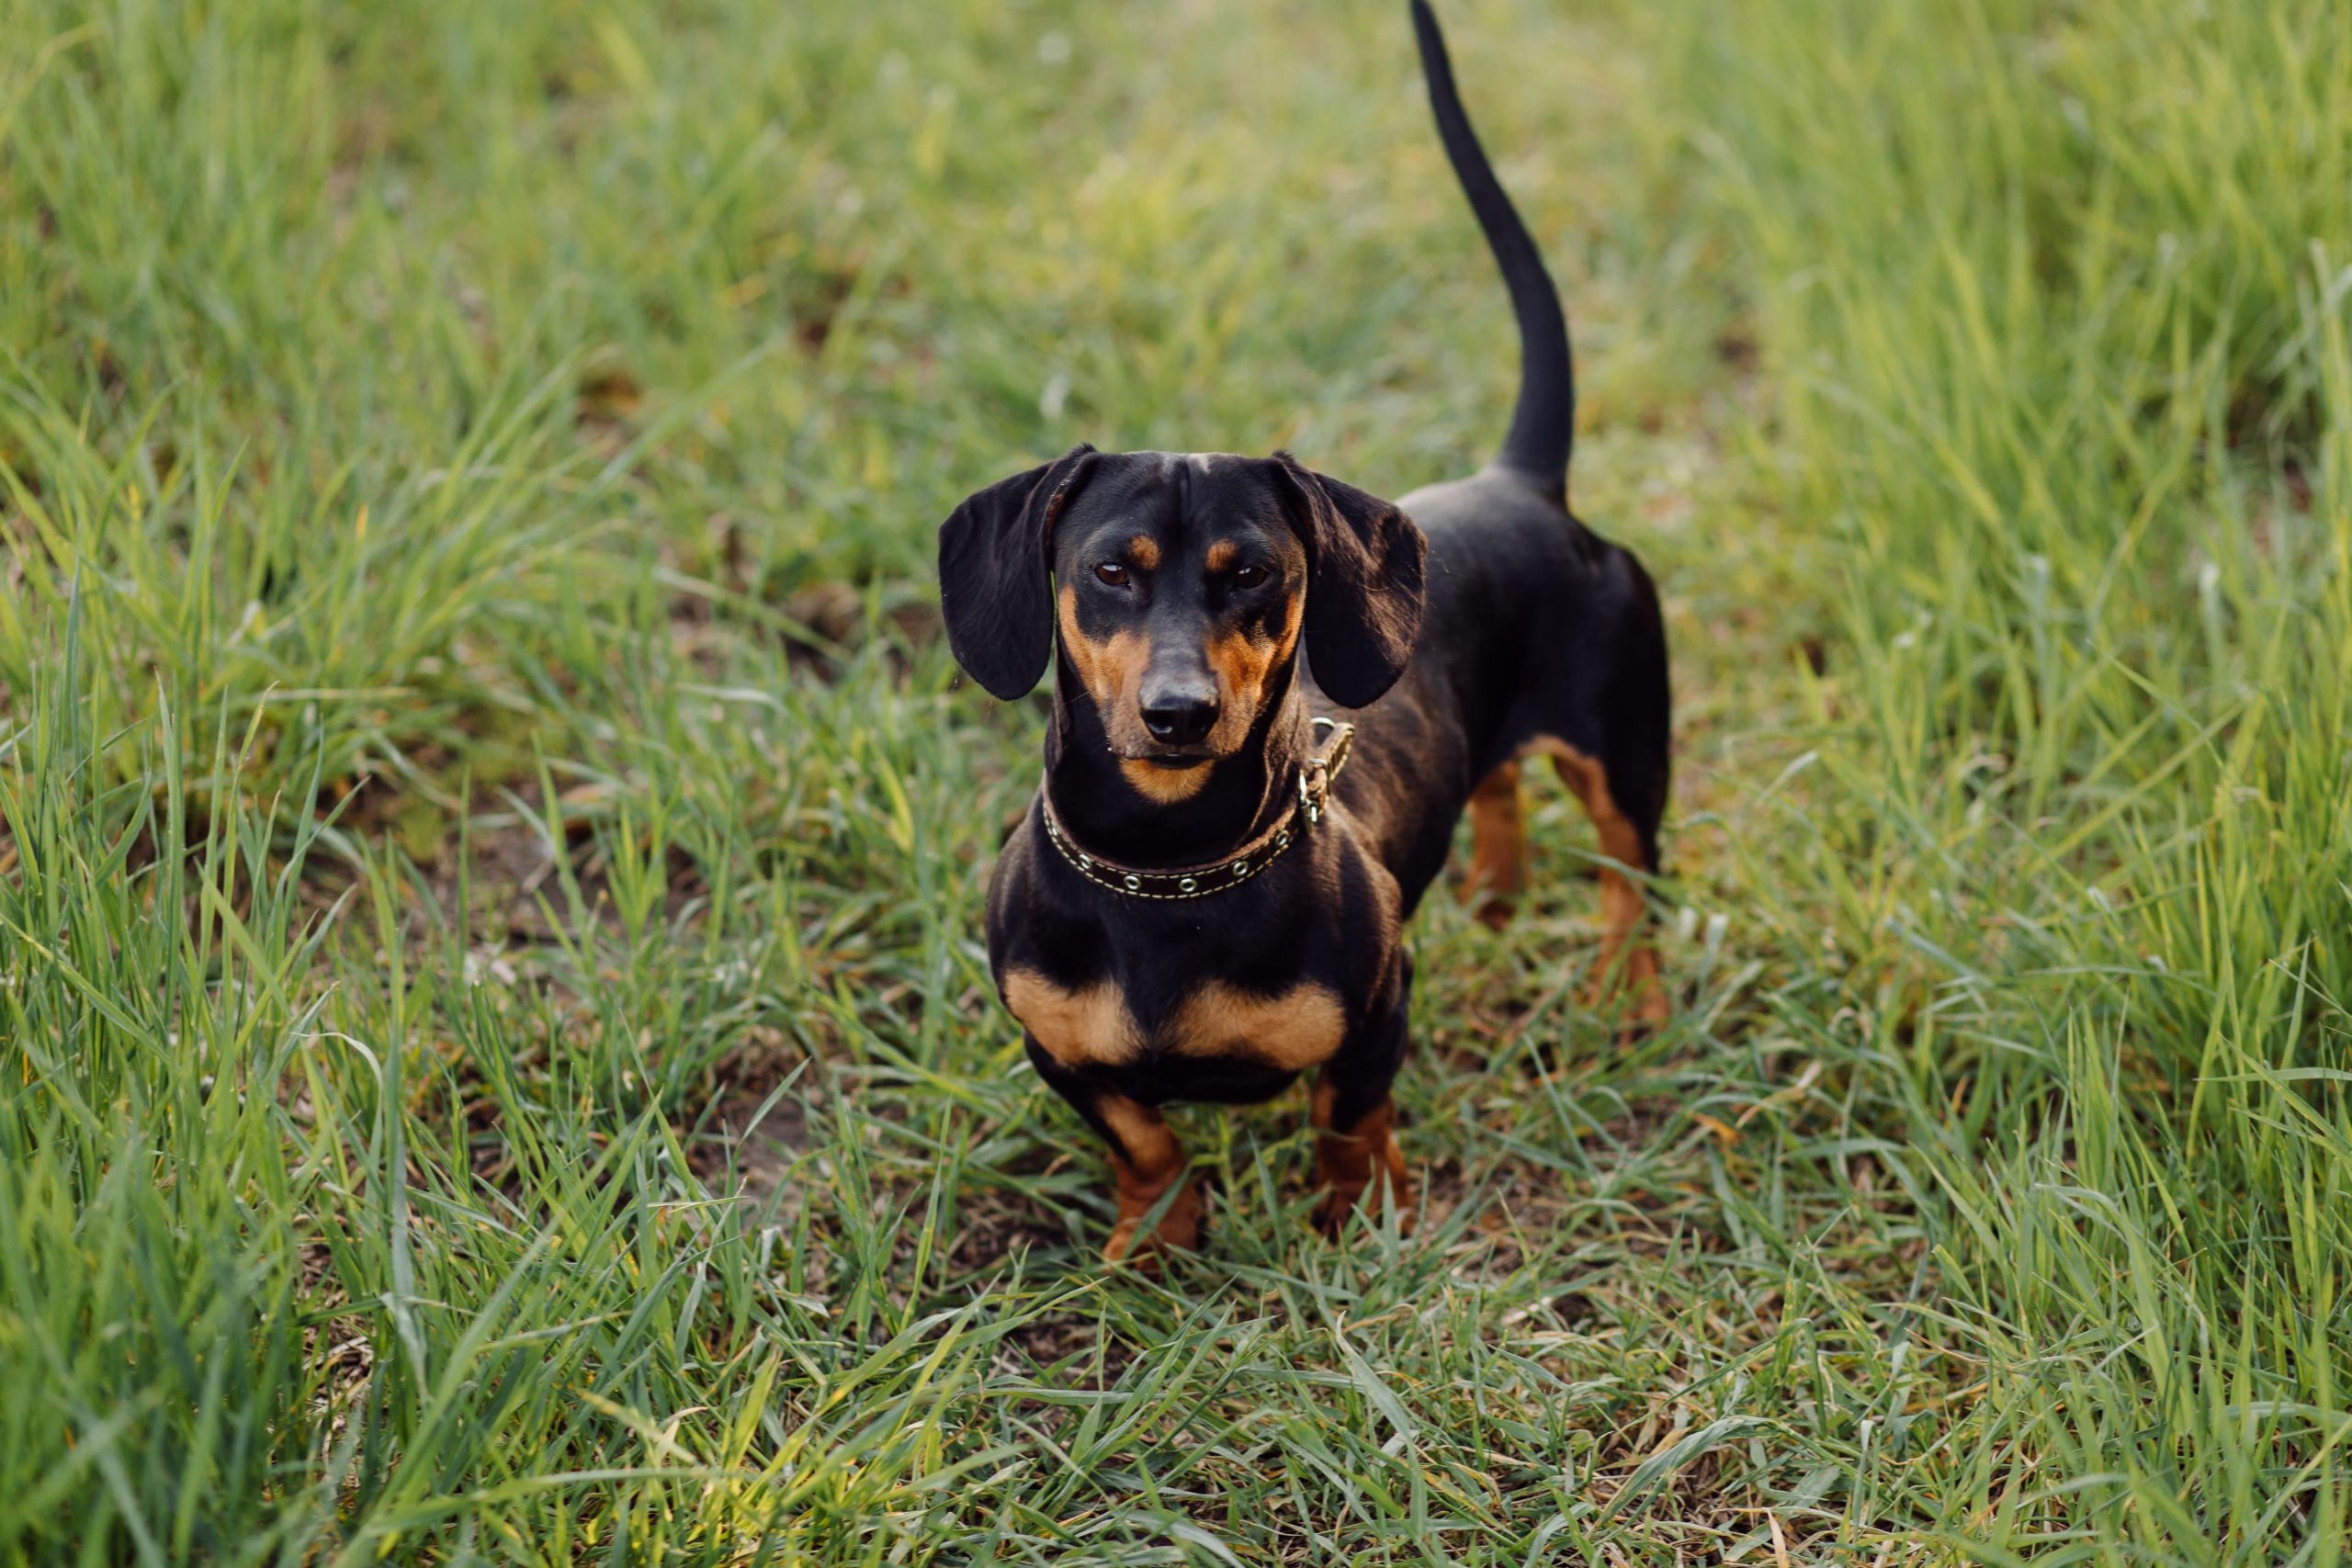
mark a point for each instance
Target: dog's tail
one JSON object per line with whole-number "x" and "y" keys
{"x": 1543, "y": 426}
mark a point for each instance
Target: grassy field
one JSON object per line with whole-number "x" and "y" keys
{"x": 496, "y": 1056}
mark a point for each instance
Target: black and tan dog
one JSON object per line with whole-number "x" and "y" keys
{"x": 1203, "y": 901}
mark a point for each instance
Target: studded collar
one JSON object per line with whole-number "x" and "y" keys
{"x": 1236, "y": 867}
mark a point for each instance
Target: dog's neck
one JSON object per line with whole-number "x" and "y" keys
{"x": 1111, "y": 818}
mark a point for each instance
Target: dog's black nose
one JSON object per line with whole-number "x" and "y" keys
{"x": 1180, "y": 718}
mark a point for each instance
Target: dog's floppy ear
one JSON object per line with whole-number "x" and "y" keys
{"x": 1364, "y": 583}
{"x": 993, "y": 566}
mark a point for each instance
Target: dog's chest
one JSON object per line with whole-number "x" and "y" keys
{"x": 1106, "y": 1023}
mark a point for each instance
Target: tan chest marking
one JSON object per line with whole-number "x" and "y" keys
{"x": 1092, "y": 1025}
{"x": 1295, "y": 1030}
{"x": 1075, "y": 1027}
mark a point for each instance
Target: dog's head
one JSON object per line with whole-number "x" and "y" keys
{"x": 1181, "y": 586}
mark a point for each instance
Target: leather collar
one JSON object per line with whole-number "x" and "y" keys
{"x": 1236, "y": 867}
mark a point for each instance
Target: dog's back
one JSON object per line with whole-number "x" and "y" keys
{"x": 1537, "y": 636}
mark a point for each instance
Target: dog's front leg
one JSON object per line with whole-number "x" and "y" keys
{"x": 1357, "y": 1156}
{"x": 1146, "y": 1160}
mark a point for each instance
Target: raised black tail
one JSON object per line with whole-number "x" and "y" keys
{"x": 1543, "y": 426}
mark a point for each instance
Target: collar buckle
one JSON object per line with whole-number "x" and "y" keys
{"x": 1314, "y": 781}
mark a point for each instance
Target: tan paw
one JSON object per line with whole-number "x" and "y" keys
{"x": 1375, "y": 1195}
{"x": 1179, "y": 1230}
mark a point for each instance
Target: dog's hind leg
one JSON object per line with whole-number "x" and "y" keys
{"x": 1628, "y": 966}
{"x": 1498, "y": 872}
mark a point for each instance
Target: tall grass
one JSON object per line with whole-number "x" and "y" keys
{"x": 495, "y": 1056}
{"x": 2057, "y": 299}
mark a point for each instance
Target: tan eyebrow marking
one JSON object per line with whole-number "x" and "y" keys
{"x": 1144, "y": 551}
{"x": 1221, "y": 554}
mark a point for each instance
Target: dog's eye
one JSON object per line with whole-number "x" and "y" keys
{"x": 1112, "y": 573}
{"x": 1249, "y": 575}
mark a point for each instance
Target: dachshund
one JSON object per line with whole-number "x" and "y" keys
{"x": 1273, "y": 696}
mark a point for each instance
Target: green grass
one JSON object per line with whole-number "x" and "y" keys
{"x": 474, "y": 734}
